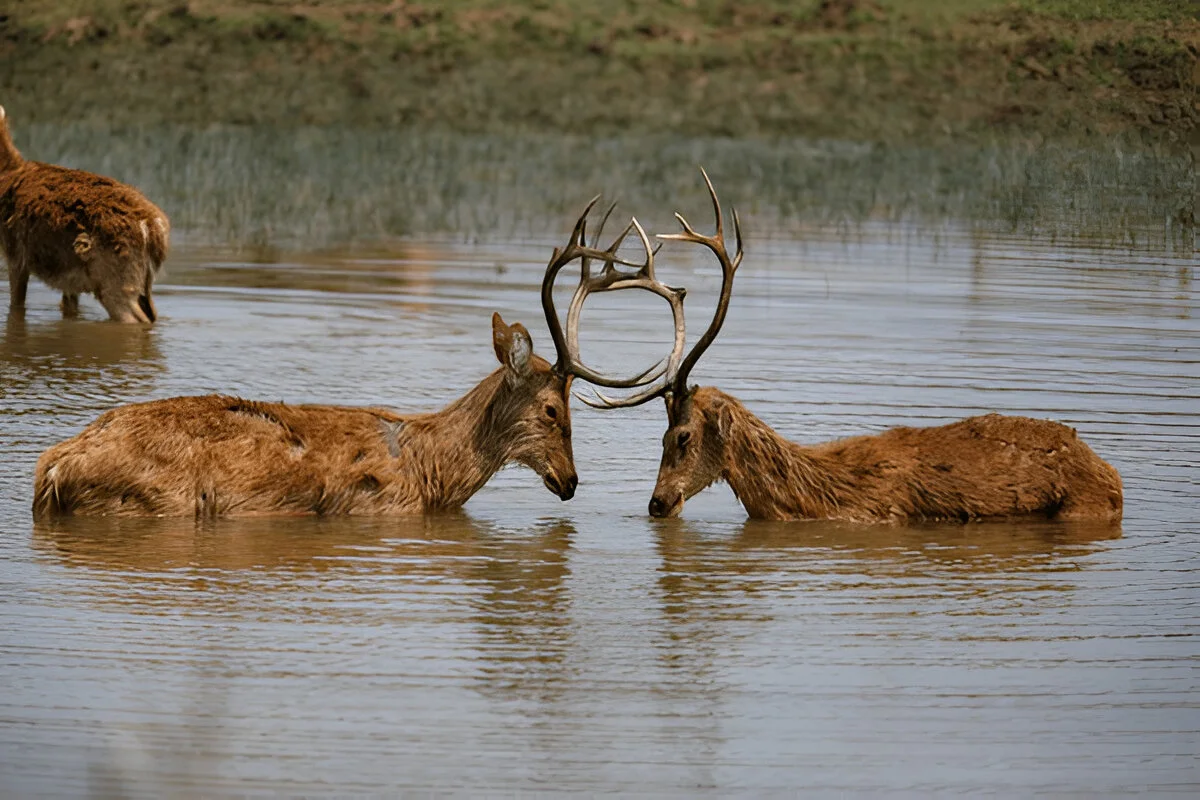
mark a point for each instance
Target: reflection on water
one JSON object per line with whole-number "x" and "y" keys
{"x": 527, "y": 644}
{"x": 70, "y": 351}
{"x": 913, "y": 551}
{"x": 52, "y": 366}
{"x": 239, "y": 553}
{"x": 408, "y": 271}
{"x": 344, "y": 577}
{"x": 302, "y": 545}
{"x": 712, "y": 578}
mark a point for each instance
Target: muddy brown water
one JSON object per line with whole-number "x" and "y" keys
{"x": 527, "y": 644}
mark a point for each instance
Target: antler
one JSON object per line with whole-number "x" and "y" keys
{"x": 675, "y": 379}
{"x": 609, "y": 279}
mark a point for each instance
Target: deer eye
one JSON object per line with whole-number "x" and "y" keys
{"x": 682, "y": 441}
{"x": 551, "y": 412}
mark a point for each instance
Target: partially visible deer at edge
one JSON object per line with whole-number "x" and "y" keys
{"x": 218, "y": 455}
{"x": 985, "y": 467}
{"x": 79, "y": 233}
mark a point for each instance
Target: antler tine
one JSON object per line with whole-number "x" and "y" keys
{"x": 715, "y": 243}
{"x": 716, "y": 205}
{"x": 611, "y": 259}
{"x": 585, "y": 262}
{"x": 600, "y": 227}
{"x": 612, "y": 280}
{"x": 604, "y": 402}
{"x": 560, "y": 258}
{"x": 646, "y": 268}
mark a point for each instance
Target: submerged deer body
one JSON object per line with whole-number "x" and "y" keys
{"x": 989, "y": 467}
{"x": 219, "y": 455}
{"x": 79, "y": 233}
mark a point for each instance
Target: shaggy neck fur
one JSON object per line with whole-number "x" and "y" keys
{"x": 772, "y": 477}
{"x": 451, "y": 454}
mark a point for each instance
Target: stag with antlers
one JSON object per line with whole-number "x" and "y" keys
{"x": 80, "y": 233}
{"x": 985, "y": 467}
{"x": 218, "y": 455}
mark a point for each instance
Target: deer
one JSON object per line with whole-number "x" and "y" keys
{"x": 990, "y": 467}
{"x": 79, "y": 233}
{"x": 219, "y": 455}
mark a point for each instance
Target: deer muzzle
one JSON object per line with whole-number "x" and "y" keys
{"x": 660, "y": 507}
{"x": 564, "y": 488}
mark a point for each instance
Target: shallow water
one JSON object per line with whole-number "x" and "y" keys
{"x": 532, "y": 645}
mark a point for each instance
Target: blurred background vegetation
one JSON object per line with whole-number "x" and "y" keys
{"x": 269, "y": 124}
{"x": 865, "y": 70}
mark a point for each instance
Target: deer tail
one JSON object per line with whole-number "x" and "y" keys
{"x": 157, "y": 234}
{"x": 48, "y": 497}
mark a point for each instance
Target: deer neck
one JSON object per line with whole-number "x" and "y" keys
{"x": 777, "y": 479}
{"x": 452, "y": 453}
{"x": 10, "y": 156}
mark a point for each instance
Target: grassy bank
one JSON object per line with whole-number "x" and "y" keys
{"x": 890, "y": 70}
{"x": 265, "y": 187}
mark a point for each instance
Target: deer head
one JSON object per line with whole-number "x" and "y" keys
{"x": 698, "y": 420}
{"x": 540, "y": 409}
{"x": 531, "y": 409}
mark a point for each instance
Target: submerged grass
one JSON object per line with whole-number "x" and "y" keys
{"x": 317, "y": 187}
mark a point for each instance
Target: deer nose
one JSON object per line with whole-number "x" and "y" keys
{"x": 568, "y": 489}
{"x": 565, "y": 488}
{"x": 657, "y": 507}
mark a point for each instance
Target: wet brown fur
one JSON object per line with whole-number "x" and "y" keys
{"x": 79, "y": 233}
{"x": 217, "y": 455}
{"x": 987, "y": 467}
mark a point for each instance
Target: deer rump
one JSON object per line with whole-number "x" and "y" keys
{"x": 84, "y": 233}
{"x": 218, "y": 455}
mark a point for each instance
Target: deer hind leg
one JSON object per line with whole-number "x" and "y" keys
{"x": 69, "y": 305}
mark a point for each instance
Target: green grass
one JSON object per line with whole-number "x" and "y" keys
{"x": 268, "y": 124}
{"x": 1100, "y": 10}
{"x": 317, "y": 187}
{"x": 893, "y": 70}
{"x": 888, "y": 71}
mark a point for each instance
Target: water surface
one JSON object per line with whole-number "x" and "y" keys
{"x": 527, "y": 644}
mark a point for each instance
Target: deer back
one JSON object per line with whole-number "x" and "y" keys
{"x": 983, "y": 467}
{"x": 47, "y": 208}
{"x": 223, "y": 455}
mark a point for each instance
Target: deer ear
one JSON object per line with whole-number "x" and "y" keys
{"x": 514, "y": 347}
{"x": 723, "y": 413}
